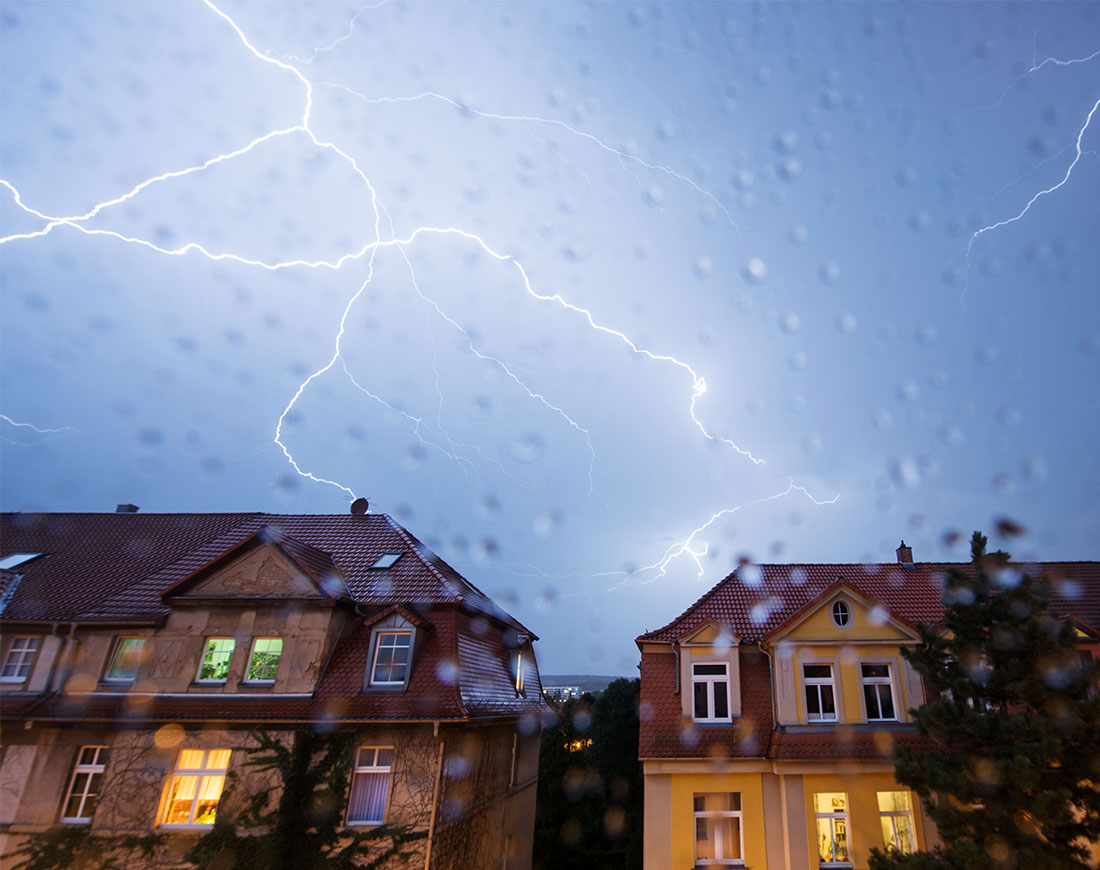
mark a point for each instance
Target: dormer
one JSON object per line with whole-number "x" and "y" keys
{"x": 837, "y": 660}
{"x": 710, "y": 674}
{"x": 396, "y": 635}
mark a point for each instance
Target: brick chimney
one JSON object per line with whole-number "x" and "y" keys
{"x": 905, "y": 554}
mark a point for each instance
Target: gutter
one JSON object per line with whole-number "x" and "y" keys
{"x": 435, "y": 798}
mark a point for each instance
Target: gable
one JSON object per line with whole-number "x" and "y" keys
{"x": 263, "y": 572}
{"x": 867, "y": 621}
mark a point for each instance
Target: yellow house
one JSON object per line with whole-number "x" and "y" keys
{"x": 771, "y": 709}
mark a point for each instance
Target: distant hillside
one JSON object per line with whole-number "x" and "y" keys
{"x": 586, "y": 682}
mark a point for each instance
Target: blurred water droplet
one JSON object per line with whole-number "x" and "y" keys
{"x": 797, "y": 361}
{"x": 798, "y": 234}
{"x": 1003, "y": 483}
{"x": 846, "y": 323}
{"x": 790, "y": 323}
{"x": 907, "y": 391}
{"x": 905, "y": 473}
{"x": 528, "y": 447}
{"x": 883, "y": 419}
{"x": 654, "y": 194}
{"x": 1009, "y": 416}
{"x": 702, "y": 267}
{"x": 830, "y": 272}
{"x": 755, "y": 271}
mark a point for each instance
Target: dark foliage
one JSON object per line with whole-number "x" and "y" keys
{"x": 69, "y": 847}
{"x": 1014, "y": 717}
{"x": 589, "y": 813}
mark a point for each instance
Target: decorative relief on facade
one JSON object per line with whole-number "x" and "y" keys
{"x": 304, "y": 664}
{"x": 166, "y": 658}
{"x": 262, "y": 574}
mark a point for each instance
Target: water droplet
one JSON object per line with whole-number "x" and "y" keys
{"x": 790, "y": 323}
{"x": 830, "y": 272}
{"x": 703, "y": 267}
{"x": 797, "y": 361}
{"x": 528, "y": 448}
{"x": 755, "y": 271}
{"x": 1009, "y": 416}
{"x": 907, "y": 391}
{"x": 797, "y": 234}
{"x": 846, "y": 323}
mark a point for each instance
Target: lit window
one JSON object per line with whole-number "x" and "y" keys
{"x": 710, "y": 688}
{"x": 263, "y": 664}
{"x": 126, "y": 660}
{"x": 84, "y": 785}
{"x": 718, "y": 829}
{"x": 215, "y": 660}
{"x": 878, "y": 692}
{"x": 17, "y": 663}
{"x": 391, "y": 658}
{"x": 831, "y": 809}
{"x": 896, "y": 814}
{"x": 841, "y": 615}
{"x": 387, "y": 560}
{"x": 370, "y": 785}
{"x": 820, "y": 699}
{"x": 519, "y": 673}
{"x": 196, "y": 787}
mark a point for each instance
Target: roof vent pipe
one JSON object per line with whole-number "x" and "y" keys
{"x": 126, "y": 509}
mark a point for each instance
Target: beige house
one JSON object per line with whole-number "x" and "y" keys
{"x": 140, "y": 651}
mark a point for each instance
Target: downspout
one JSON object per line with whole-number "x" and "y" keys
{"x": 435, "y": 796}
{"x": 61, "y": 653}
{"x": 676, "y": 652}
{"x": 771, "y": 691}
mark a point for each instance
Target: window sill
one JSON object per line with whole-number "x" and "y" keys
{"x": 186, "y": 828}
{"x": 116, "y": 682}
{"x": 256, "y": 684}
{"x": 13, "y": 680}
{"x": 75, "y": 822}
{"x": 397, "y": 689}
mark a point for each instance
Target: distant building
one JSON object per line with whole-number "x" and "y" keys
{"x": 139, "y": 650}
{"x": 561, "y": 693}
{"x": 770, "y": 710}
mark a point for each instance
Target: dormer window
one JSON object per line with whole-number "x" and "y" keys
{"x": 710, "y": 687}
{"x": 391, "y": 658}
{"x": 386, "y": 560}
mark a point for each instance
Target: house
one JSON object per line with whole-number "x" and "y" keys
{"x": 771, "y": 709}
{"x": 140, "y": 651}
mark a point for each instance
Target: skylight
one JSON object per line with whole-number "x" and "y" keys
{"x": 16, "y": 559}
{"x": 387, "y": 560}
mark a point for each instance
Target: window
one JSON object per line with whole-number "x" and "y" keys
{"x": 519, "y": 673}
{"x": 896, "y": 814}
{"x": 263, "y": 664}
{"x": 878, "y": 692}
{"x": 370, "y": 785}
{"x": 841, "y": 615}
{"x": 84, "y": 785}
{"x": 391, "y": 658}
{"x": 125, "y": 660}
{"x": 831, "y": 809}
{"x": 387, "y": 560}
{"x": 10, "y": 563}
{"x": 215, "y": 660}
{"x": 718, "y": 829}
{"x": 710, "y": 687}
{"x": 820, "y": 702}
{"x": 17, "y": 663}
{"x": 196, "y": 786}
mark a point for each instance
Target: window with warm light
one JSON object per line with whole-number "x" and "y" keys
{"x": 831, "y": 812}
{"x": 263, "y": 663}
{"x": 718, "y": 835}
{"x": 896, "y": 814}
{"x": 196, "y": 787}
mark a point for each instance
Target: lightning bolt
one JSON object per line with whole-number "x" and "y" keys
{"x": 369, "y": 251}
{"x": 1036, "y": 66}
{"x": 40, "y": 430}
{"x": 1035, "y": 198}
{"x": 332, "y": 45}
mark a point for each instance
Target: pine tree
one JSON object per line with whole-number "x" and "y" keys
{"x": 1010, "y": 771}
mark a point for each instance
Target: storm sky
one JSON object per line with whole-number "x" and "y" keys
{"x": 599, "y": 300}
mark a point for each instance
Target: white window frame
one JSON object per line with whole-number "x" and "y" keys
{"x": 888, "y": 681}
{"x": 262, "y": 681}
{"x": 96, "y": 767}
{"x": 201, "y": 773}
{"x": 836, "y": 608}
{"x": 379, "y": 636}
{"x": 373, "y": 768}
{"x": 116, "y": 653}
{"x": 817, "y": 683}
{"x": 215, "y": 681}
{"x": 892, "y": 816}
{"x": 697, "y": 815}
{"x": 21, "y": 654}
{"x": 711, "y": 681}
{"x": 834, "y": 817}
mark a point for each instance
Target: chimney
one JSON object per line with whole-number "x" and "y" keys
{"x": 126, "y": 509}
{"x": 905, "y": 554}
{"x": 359, "y": 506}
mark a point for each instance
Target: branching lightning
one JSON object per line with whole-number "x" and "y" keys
{"x": 61, "y": 430}
{"x": 427, "y": 435}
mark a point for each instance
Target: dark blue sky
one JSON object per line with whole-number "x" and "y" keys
{"x": 598, "y": 300}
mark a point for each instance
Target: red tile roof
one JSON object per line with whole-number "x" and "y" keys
{"x": 755, "y": 600}
{"x": 114, "y": 567}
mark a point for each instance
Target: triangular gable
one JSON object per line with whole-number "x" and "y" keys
{"x": 396, "y": 610}
{"x": 264, "y": 565}
{"x": 707, "y": 634}
{"x": 870, "y": 620}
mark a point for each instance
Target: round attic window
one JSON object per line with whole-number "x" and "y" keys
{"x": 841, "y": 615}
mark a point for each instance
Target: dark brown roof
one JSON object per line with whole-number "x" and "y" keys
{"x": 754, "y": 600}
{"x": 114, "y": 567}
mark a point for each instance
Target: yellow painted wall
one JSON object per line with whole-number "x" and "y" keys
{"x": 685, "y": 786}
{"x": 846, "y": 658}
{"x": 866, "y": 624}
{"x": 864, "y": 826}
